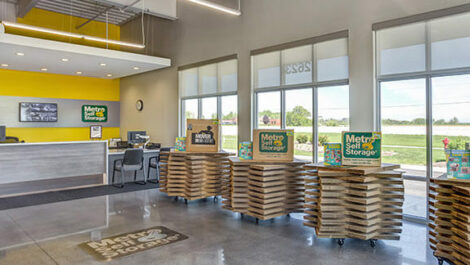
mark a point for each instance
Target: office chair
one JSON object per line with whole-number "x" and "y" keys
{"x": 133, "y": 161}
{"x": 154, "y": 162}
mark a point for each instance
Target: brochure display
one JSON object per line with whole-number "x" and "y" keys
{"x": 180, "y": 144}
{"x": 354, "y": 202}
{"x": 273, "y": 145}
{"x": 449, "y": 209}
{"x": 361, "y": 148}
{"x": 245, "y": 151}
{"x": 203, "y": 135}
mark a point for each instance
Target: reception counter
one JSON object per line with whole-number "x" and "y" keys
{"x": 37, "y": 167}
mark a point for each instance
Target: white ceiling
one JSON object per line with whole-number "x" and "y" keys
{"x": 39, "y": 53}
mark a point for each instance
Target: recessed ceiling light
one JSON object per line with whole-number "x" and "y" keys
{"x": 20, "y": 54}
{"x": 4, "y": 65}
{"x": 78, "y": 73}
{"x": 102, "y": 64}
{"x": 136, "y": 68}
{"x": 44, "y": 69}
{"x": 109, "y": 75}
{"x": 65, "y": 60}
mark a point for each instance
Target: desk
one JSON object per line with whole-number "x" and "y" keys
{"x": 38, "y": 167}
{"x": 115, "y": 154}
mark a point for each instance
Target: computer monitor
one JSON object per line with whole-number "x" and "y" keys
{"x": 2, "y": 133}
{"x": 133, "y": 139}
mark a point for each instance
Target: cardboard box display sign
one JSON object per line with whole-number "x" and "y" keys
{"x": 361, "y": 148}
{"x": 202, "y": 135}
{"x": 273, "y": 145}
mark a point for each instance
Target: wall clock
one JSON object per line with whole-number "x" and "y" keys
{"x": 139, "y": 105}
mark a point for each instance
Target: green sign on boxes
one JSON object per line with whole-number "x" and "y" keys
{"x": 361, "y": 148}
{"x": 94, "y": 113}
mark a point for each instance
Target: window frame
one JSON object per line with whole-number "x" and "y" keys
{"x": 314, "y": 85}
{"x": 428, "y": 74}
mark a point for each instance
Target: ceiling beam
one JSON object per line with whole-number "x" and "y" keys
{"x": 24, "y": 6}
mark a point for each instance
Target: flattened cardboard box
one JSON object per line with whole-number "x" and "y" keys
{"x": 361, "y": 149}
{"x": 273, "y": 145}
{"x": 202, "y": 135}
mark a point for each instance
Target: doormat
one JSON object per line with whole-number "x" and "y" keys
{"x": 129, "y": 243}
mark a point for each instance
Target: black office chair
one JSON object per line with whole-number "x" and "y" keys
{"x": 133, "y": 161}
{"x": 154, "y": 162}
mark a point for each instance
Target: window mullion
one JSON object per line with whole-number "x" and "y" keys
{"x": 315, "y": 124}
{"x": 283, "y": 109}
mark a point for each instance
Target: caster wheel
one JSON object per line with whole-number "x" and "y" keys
{"x": 372, "y": 243}
{"x": 186, "y": 201}
{"x": 340, "y": 242}
{"x": 440, "y": 261}
{"x": 257, "y": 221}
{"x": 215, "y": 198}
{"x": 176, "y": 198}
{"x": 242, "y": 215}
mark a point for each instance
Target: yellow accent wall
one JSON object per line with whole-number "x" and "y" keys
{"x": 44, "y": 85}
{"x": 52, "y": 20}
{"x": 32, "y": 135}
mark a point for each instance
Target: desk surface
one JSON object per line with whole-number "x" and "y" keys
{"x": 121, "y": 151}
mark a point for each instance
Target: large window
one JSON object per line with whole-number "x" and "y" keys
{"x": 305, "y": 88}
{"x": 423, "y": 75}
{"x": 209, "y": 91}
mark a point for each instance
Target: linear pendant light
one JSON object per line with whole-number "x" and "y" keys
{"x": 217, "y": 6}
{"x": 71, "y": 35}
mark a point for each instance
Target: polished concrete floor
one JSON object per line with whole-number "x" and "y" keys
{"x": 51, "y": 233}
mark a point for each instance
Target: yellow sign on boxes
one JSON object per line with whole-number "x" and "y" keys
{"x": 273, "y": 145}
{"x": 202, "y": 135}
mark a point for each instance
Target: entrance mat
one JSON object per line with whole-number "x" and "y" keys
{"x": 129, "y": 243}
{"x": 67, "y": 195}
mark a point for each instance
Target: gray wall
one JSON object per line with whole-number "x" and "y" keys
{"x": 69, "y": 112}
{"x": 201, "y": 33}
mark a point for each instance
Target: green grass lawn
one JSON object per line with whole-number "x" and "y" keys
{"x": 399, "y": 154}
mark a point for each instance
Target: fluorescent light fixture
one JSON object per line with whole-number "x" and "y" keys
{"x": 217, "y": 6}
{"x": 65, "y": 60}
{"x": 44, "y": 69}
{"x": 136, "y": 68}
{"x": 71, "y": 35}
{"x": 20, "y": 54}
{"x": 102, "y": 64}
{"x": 4, "y": 65}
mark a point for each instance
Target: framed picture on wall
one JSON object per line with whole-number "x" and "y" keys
{"x": 96, "y": 132}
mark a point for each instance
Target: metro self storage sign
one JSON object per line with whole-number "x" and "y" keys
{"x": 94, "y": 113}
{"x": 361, "y": 148}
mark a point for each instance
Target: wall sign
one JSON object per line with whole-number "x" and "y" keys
{"x": 94, "y": 113}
{"x": 202, "y": 135}
{"x": 96, "y": 132}
{"x": 361, "y": 148}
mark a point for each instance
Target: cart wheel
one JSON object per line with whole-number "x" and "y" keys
{"x": 340, "y": 241}
{"x": 176, "y": 198}
{"x": 215, "y": 198}
{"x": 257, "y": 221}
{"x": 242, "y": 215}
{"x": 440, "y": 261}
{"x": 373, "y": 243}
{"x": 186, "y": 201}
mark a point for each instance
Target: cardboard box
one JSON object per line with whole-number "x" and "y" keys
{"x": 245, "y": 151}
{"x": 202, "y": 135}
{"x": 361, "y": 149}
{"x": 273, "y": 145}
{"x": 332, "y": 154}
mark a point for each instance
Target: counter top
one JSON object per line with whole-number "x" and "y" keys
{"x": 52, "y": 143}
{"x": 121, "y": 151}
